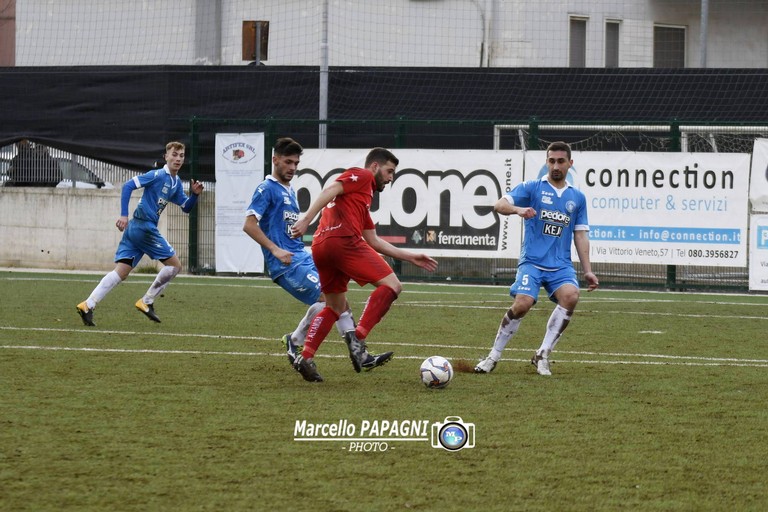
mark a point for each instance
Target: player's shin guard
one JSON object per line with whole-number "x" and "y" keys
{"x": 106, "y": 284}
{"x": 300, "y": 333}
{"x": 319, "y": 328}
{"x": 557, "y": 323}
{"x": 507, "y": 328}
{"x": 346, "y": 322}
{"x": 162, "y": 280}
{"x": 377, "y": 306}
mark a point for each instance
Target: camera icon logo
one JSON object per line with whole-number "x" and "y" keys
{"x": 453, "y": 434}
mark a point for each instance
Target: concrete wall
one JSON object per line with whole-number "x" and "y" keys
{"x": 56, "y": 228}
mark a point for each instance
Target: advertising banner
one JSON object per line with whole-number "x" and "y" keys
{"x": 239, "y": 169}
{"x": 662, "y": 208}
{"x": 441, "y": 201}
{"x": 758, "y": 186}
{"x": 758, "y": 252}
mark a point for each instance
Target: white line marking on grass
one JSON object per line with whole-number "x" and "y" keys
{"x": 758, "y": 363}
{"x": 457, "y": 288}
{"x": 139, "y": 333}
{"x": 684, "y": 315}
{"x": 378, "y": 343}
{"x": 646, "y": 313}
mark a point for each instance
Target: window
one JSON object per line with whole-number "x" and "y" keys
{"x": 577, "y": 57}
{"x": 255, "y": 40}
{"x": 612, "y": 44}
{"x": 668, "y": 47}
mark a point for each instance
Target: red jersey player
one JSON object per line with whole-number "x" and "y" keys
{"x": 346, "y": 246}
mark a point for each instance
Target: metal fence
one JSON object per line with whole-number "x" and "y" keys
{"x": 495, "y": 271}
{"x": 193, "y": 235}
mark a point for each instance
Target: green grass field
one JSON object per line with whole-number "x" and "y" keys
{"x": 657, "y": 403}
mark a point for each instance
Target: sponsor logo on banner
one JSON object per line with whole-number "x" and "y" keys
{"x": 433, "y": 209}
{"x": 238, "y": 152}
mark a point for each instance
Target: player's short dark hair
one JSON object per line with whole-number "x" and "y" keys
{"x": 381, "y": 156}
{"x": 286, "y": 146}
{"x": 559, "y": 146}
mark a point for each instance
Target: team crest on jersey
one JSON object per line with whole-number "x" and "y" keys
{"x": 570, "y": 206}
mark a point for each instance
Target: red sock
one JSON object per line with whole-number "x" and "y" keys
{"x": 377, "y": 306}
{"x": 319, "y": 328}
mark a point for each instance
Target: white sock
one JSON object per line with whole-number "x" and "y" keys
{"x": 106, "y": 284}
{"x": 507, "y": 329}
{"x": 346, "y": 322}
{"x": 162, "y": 280}
{"x": 300, "y": 333}
{"x": 556, "y": 324}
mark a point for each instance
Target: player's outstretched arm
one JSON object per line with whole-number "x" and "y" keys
{"x": 326, "y": 196}
{"x": 424, "y": 261}
{"x": 387, "y": 249}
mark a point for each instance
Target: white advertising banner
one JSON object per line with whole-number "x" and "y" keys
{"x": 662, "y": 208}
{"x": 758, "y": 186}
{"x": 758, "y": 252}
{"x": 239, "y": 169}
{"x": 441, "y": 201}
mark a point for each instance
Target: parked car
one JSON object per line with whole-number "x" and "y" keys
{"x": 71, "y": 171}
{"x": 79, "y": 174}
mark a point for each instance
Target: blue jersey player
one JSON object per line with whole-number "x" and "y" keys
{"x": 555, "y": 215}
{"x": 273, "y": 210}
{"x": 140, "y": 234}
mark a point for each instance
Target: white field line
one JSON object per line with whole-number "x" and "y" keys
{"x": 615, "y": 357}
{"x": 595, "y": 311}
{"x": 259, "y": 282}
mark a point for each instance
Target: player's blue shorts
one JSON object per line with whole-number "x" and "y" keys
{"x": 530, "y": 279}
{"x": 142, "y": 237}
{"x": 301, "y": 279}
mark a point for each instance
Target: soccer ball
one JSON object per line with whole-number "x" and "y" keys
{"x": 436, "y": 372}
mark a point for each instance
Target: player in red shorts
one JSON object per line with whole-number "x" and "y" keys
{"x": 346, "y": 246}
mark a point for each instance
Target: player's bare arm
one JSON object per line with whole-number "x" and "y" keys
{"x": 387, "y": 249}
{"x": 326, "y": 196}
{"x": 581, "y": 242}
{"x": 504, "y": 207}
{"x": 252, "y": 229}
